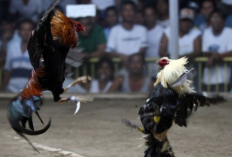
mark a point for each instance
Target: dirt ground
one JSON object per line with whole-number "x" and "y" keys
{"x": 97, "y": 131}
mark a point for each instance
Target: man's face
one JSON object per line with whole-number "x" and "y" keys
{"x": 7, "y": 26}
{"x": 7, "y": 29}
{"x": 136, "y": 65}
{"x": 111, "y": 18}
{"x": 162, "y": 7}
{"x": 139, "y": 19}
{"x": 217, "y": 22}
{"x": 150, "y": 16}
{"x": 104, "y": 71}
{"x": 25, "y": 30}
{"x": 87, "y": 23}
{"x": 128, "y": 13}
{"x": 207, "y": 8}
{"x": 185, "y": 25}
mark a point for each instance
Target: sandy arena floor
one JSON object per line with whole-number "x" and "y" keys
{"x": 97, "y": 131}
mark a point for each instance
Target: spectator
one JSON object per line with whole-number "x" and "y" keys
{"x": 127, "y": 38}
{"x": 225, "y": 6}
{"x": 154, "y": 34}
{"x": 105, "y": 72}
{"x": 189, "y": 40}
{"x": 143, "y": 3}
{"x": 194, "y": 6}
{"x": 134, "y": 80}
{"x": 18, "y": 66}
{"x": 139, "y": 18}
{"x": 7, "y": 33}
{"x": 189, "y": 37}
{"x": 111, "y": 18}
{"x": 30, "y": 9}
{"x": 162, "y": 7}
{"x": 217, "y": 44}
{"x": 202, "y": 21}
{"x": 93, "y": 40}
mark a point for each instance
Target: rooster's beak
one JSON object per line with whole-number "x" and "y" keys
{"x": 157, "y": 62}
{"x": 84, "y": 30}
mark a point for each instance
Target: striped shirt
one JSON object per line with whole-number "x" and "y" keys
{"x": 18, "y": 63}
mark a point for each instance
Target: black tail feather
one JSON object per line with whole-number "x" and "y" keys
{"x": 191, "y": 102}
{"x": 39, "y": 117}
{"x": 24, "y": 121}
{"x": 18, "y": 128}
{"x": 30, "y": 122}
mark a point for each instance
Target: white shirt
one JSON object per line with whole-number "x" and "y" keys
{"x": 19, "y": 65}
{"x": 153, "y": 39}
{"x": 164, "y": 23}
{"x": 186, "y": 42}
{"x": 96, "y": 89}
{"x": 126, "y": 85}
{"x": 103, "y": 4}
{"x": 221, "y": 44}
{"x": 127, "y": 41}
{"x": 31, "y": 10}
{"x": 15, "y": 37}
{"x": 203, "y": 26}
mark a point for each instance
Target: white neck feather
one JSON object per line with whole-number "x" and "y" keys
{"x": 172, "y": 72}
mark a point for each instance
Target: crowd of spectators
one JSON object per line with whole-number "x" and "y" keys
{"x": 131, "y": 30}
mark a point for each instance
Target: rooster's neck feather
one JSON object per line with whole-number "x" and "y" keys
{"x": 33, "y": 87}
{"x": 63, "y": 30}
{"x": 172, "y": 72}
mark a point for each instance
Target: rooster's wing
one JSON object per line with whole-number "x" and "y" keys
{"x": 41, "y": 37}
{"x": 191, "y": 102}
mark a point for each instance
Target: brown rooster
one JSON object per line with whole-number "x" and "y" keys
{"x": 48, "y": 47}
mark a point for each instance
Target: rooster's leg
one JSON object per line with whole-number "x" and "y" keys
{"x": 72, "y": 99}
{"x": 158, "y": 148}
{"x": 79, "y": 80}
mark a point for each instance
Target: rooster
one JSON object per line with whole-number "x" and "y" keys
{"x": 172, "y": 99}
{"x": 48, "y": 47}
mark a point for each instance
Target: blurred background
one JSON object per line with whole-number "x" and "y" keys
{"x": 120, "y": 47}
{"x": 123, "y": 41}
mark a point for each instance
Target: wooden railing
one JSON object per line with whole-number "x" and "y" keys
{"x": 198, "y": 63}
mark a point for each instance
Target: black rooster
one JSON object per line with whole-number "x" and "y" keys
{"x": 172, "y": 99}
